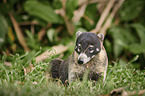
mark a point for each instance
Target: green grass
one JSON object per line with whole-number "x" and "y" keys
{"x": 37, "y": 82}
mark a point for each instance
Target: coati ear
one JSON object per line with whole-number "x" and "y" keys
{"x": 78, "y": 33}
{"x": 101, "y": 36}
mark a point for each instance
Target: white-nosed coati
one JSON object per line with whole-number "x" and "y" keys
{"x": 89, "y": 54}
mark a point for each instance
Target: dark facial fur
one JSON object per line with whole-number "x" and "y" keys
{"x": 87, "y": 46}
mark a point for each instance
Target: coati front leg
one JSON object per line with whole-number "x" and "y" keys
{"x": 55, "y": 67}
{"x": 59, "y": 69}
{"x": 64, "y": 71}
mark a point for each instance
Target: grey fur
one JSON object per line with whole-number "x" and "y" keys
{"x": 70, "y": 70}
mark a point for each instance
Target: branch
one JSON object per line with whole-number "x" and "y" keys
{"x": 79, "y": 13}
{"x": 109, "y": 19}
{"x": 58, "y": 49}
{"x": 19, "y": 32}
{"x": 103, "y": 16}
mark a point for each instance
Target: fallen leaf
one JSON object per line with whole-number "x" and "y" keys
{"x": 19, "y": 33}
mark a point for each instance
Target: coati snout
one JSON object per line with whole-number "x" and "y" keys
{"x": 87, "y": 46}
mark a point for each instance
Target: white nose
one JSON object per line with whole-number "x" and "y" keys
{"x": 83, "y": 59}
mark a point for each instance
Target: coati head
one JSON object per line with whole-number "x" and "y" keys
{"x": 87, "y": 46}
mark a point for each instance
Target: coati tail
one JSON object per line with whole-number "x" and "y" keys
{"x": 55, "y": 65}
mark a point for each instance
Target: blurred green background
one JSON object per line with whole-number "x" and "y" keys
{"x": 37, "y": 25}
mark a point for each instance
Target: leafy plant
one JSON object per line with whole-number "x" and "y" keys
{"x": 138, "y": 48}
{"x": 52, "y": 35}
{"x": 3, "y": 29}
{"x": 125, "y": 38}
{"x": 42, "y": 11}
{"x": 131, "y": 9}
{"x": 20, "y": 79}
{"x": 52, "y": 18}
{"x": 32, "y": 41}
{"x": 71, "y": 5}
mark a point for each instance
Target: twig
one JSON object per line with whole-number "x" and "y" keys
{"x": 58, "y": 49}
{"x": 32, "y": 28}
{"x": 103, "y": 16}
{"x": 19, "y": 33}
{"x": 109, "y": 19}
{"x": 79, "y": 13}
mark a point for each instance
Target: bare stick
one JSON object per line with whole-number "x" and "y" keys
{"x": 19, "y": 33}
{"x": 79, "y": 13}
{"x": 56, "y": 50}
{"x": 109, "y": 20}
{"x": 103, "y": 16}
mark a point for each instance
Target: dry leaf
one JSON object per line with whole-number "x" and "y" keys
{"x": 19, "y": 33}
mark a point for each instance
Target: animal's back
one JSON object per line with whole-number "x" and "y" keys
{"x": 55, "y": 67}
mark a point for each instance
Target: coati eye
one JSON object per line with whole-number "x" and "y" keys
{"x": 91, "y": 49}
{"x": 79, "y": 48}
